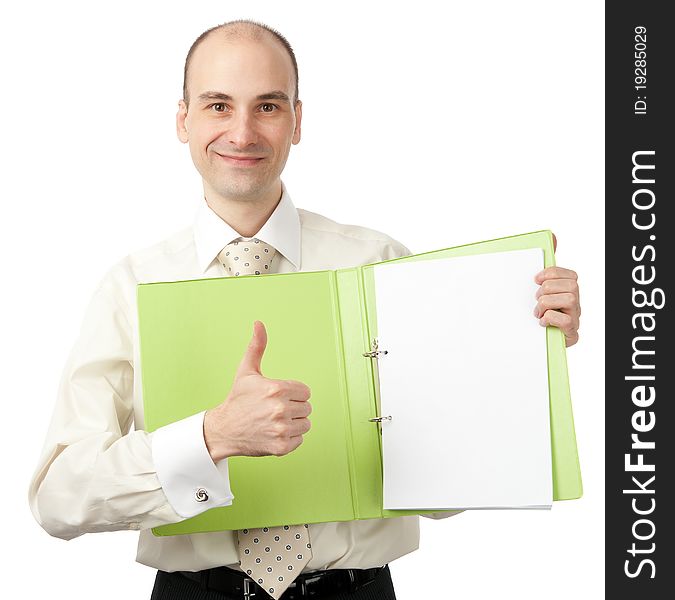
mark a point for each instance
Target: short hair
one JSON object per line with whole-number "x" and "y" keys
{"x": 242, "y": 28}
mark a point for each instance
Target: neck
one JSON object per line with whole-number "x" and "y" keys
{"x": 245, "y": 215}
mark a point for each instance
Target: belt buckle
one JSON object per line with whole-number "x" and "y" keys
{"x": 296, "y": 589}
{"x": 247, "y": 589}
{"x": 303, "y": 585}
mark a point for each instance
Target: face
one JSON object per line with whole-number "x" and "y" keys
{"x": 240, "y": 122}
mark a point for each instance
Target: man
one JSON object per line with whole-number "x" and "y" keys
{"x": 240, "y": 114}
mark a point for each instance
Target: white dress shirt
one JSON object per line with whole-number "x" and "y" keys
{"x": 97, "y": 474}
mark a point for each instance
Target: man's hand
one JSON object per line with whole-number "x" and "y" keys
{"x": 260, "y": 416}
{"x": 558, "y": 301}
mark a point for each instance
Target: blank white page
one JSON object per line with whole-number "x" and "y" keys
{"x": 465, "y": 381}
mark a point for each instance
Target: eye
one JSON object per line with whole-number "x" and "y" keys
{"x": 218, "y": 107}
{"x": 268, "y": 107}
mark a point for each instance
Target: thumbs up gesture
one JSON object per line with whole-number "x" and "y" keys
{"x": 260, "y": 416}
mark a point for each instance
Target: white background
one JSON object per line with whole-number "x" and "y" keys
{"x": 438, "y": 126}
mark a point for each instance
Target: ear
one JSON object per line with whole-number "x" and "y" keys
{"x": 298, "y": 122}
{"x": 181, "y": 116}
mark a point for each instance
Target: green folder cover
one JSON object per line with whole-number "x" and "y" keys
{"x": 192, "y": 337}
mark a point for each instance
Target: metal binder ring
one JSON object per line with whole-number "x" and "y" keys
{"x": 380, "y": 419}
{"x": 374, "y": 353}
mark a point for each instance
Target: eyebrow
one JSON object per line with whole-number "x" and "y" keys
{"x": 274, "y": 95}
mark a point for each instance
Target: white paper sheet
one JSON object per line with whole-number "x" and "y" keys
{"x": 465, "y": 381}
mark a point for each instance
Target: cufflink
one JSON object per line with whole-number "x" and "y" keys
{"x": 201, "y": 495}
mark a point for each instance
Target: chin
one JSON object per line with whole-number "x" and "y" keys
{"x": 243, "y": 190}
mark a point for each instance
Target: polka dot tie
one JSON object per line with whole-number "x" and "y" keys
{"x": 272, "y": 556}
{"x": 247, "y": 257}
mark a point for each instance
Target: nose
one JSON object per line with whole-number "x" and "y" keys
{"x": 241, "y": 132}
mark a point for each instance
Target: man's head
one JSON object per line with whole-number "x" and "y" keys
{"x": 240, "y": 113}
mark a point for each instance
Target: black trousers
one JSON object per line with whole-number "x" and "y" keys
{"x": 173, "y": 586}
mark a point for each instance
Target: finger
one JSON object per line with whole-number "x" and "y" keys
{"x": 299, "y": 427}
{"x": 294, "y": 442}
{"x": 555, "y": 273}
{"x": 286, "y": 389}
{"x": 555, "y": 241}
{"x": 298, "y": 391}
{"x": 299, "y": 410}
{"x": 566, "y": 323}
{"x": 558, "y": 286}
{"x": 566, "y": 302}
{"x": 287, "y": 445}
{"x": 252, "y": 359}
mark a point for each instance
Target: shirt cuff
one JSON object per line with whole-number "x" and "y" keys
{"x": 191, "y": 481}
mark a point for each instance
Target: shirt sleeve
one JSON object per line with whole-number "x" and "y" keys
{"x": 191, "y": 480}
{"x": 94, "y": 474}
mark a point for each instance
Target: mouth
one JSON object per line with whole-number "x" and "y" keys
{"x": 241, "y": 161}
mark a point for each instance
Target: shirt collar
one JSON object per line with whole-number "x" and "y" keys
{"x": 281, "y": 231}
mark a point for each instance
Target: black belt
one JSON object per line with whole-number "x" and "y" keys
{"x": 306, "y": 585}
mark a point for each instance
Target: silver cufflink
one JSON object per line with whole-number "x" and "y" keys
{"x": 201, "y": 495}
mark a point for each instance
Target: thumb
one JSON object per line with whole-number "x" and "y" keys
{"x": 250, "y": 363}
{"x": 555, "y": 242}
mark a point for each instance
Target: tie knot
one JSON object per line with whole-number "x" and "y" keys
{"x": 247, "y": 257}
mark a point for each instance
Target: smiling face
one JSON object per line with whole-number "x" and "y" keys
{"x": 241, "y": 121}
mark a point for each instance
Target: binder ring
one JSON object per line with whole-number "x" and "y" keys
{"x": 380, "y": 419}
{"x": 375, "y": 353}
